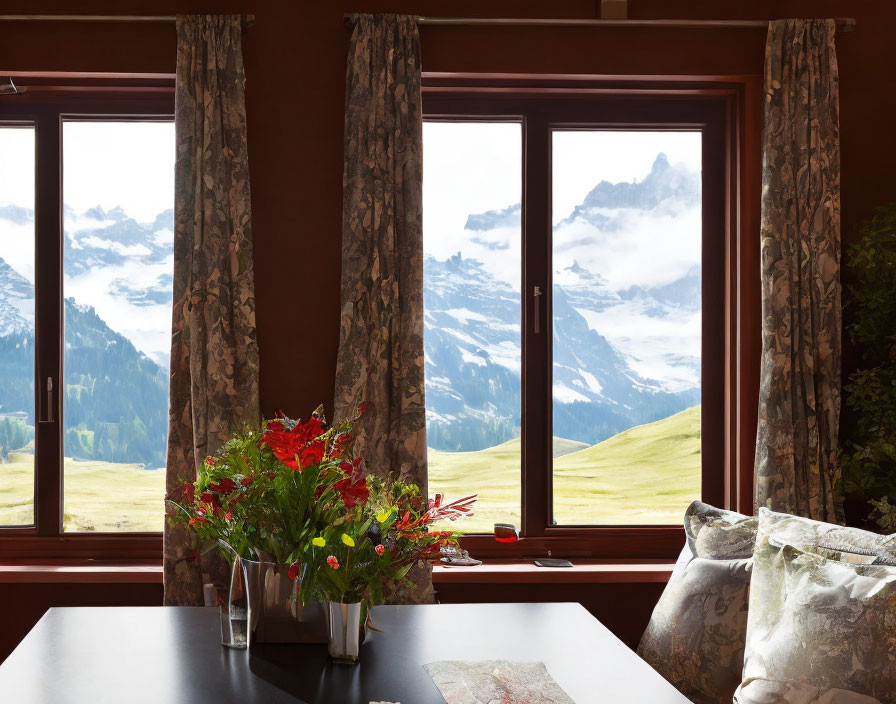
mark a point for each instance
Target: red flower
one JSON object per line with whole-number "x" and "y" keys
{"x": 189, "y": 492}
{"x": 380, "y": 549}
{"x": 211, "y": 499}
{"x": 294, "y": 571}
{"x": 211, "y": 460}
{"x": 275, "y": 425}
{"x": 299, "y": 447}
{"x": 333, "y": 562}
{"x": 246, "y": 481}
{"x": 353, "y": 490}
{"x": 312, "y": 454}
{"x": 228, "y": 516}
{"x": 350, "y": 469}
{"x": 279, "y": 414}
{"x": 344, "y": 438}
{"x": 224, "y": 486}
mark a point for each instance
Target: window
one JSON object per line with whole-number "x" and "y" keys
{"x": 625, "y": 261}
{"x": 118, "y": 227}
{"x": 85, "y": 324}
{"x": 17, "y": 324}
{"x": 574, "y": 289}
{"x": 472, "y": 322}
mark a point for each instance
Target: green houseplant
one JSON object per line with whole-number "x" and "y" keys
{"x": 869, "y": 455}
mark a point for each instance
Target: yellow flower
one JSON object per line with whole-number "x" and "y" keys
{"x": 383, "y": 515}
{"x": 319, "y": 542}
{"x": 347, "y": 539}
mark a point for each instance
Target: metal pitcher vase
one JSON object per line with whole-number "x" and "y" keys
{"x": 344, "y": 622}
{"x": 275, "y": 614}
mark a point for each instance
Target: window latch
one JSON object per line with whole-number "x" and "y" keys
{"x": 536, "y": 297}
{"x": 48, "y": 406}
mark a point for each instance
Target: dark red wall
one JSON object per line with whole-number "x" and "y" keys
{"x": 295, "y": 63}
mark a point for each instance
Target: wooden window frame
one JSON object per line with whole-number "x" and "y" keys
{"x": 51, "y": 100}
{"x": 725, "y": 111}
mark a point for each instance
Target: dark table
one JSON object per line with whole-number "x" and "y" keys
{"x": 164, "y": 655}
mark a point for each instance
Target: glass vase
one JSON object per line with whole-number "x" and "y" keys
{"x": 234, "y": 614}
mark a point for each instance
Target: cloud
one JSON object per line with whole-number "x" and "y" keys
{"x": 163, "y": 237}
{"x": 134, "y": 250}
{"x": 643, "y": 248}
{"x": 147, "y": 326}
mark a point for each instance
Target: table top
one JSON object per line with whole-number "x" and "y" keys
{"x": 173, "y": 655}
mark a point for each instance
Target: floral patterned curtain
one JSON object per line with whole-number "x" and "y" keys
{"x": 214, "y": 353}
{"x": 799, "y": 402}
{"x": 381, "y": 343}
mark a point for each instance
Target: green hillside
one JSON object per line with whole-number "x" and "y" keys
{"x": 645, "y": 475}
{"x": 100, "y": 496}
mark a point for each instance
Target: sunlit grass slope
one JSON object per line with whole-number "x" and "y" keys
{"x": 99, "y": 496}
{"x": 645, "y": 475}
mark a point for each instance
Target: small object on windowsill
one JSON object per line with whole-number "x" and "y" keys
{"x": 552, "y": 562}
{"x": 455, "y": 557}
{"x": 506, "y": 533}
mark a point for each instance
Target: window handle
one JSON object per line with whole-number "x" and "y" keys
{"x": 536, "y": 298}
{"x": 48, "y": 406}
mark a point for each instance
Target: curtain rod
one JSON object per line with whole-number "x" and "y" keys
{"x": 844, "y": 24}
{"x": 248, "y": 20}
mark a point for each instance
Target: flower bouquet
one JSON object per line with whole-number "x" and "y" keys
{"x": 380, "y": 535}
{"x": 292, "y": 507}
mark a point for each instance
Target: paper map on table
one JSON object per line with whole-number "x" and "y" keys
{"x": 495, "y": 682}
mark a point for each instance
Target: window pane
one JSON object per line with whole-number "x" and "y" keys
{"x": 16, "y": 325}
{"x": 472, "y": 186}
{"x": 118, "y": 257}
{"x": 627, "y": 331}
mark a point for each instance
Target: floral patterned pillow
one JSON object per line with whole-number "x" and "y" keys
{"x": 822, "y": 619}
{"x": 695, "y": 638}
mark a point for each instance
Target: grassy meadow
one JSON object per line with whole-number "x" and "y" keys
{"x": 99, "y": 496}
{"x": 645, "y": 475}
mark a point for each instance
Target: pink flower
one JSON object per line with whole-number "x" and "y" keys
{"x": 333, "y": 562}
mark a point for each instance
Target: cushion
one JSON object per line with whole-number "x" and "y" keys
{"x": 822, "y": 616}
{"x": 695, "y": 638}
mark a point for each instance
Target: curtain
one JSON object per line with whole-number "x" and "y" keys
{"x": 214, "y": 353}
{"x": 380, "y": 357}
{"x": 799, "y": 402}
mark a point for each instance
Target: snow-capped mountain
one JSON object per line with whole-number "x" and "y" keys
{"x": 116, "y": 384}
{"x": 625, "y": 348}
{"x": 16, "y": 301}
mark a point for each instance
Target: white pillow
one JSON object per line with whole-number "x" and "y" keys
{"x": 695, "y": 638}
{"x": 822, "y": 618}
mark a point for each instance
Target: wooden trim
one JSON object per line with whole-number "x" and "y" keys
{"x": 582, "y": 572}
{"x": 94, "y": 573}
{"x": 605, "y": 542}
{"x": 117, "y": 547}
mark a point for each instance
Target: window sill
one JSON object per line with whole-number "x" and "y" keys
{"x": 489, "y": 572}
{"x": 84, "y": 573}
{"x": 582, "y": 572}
